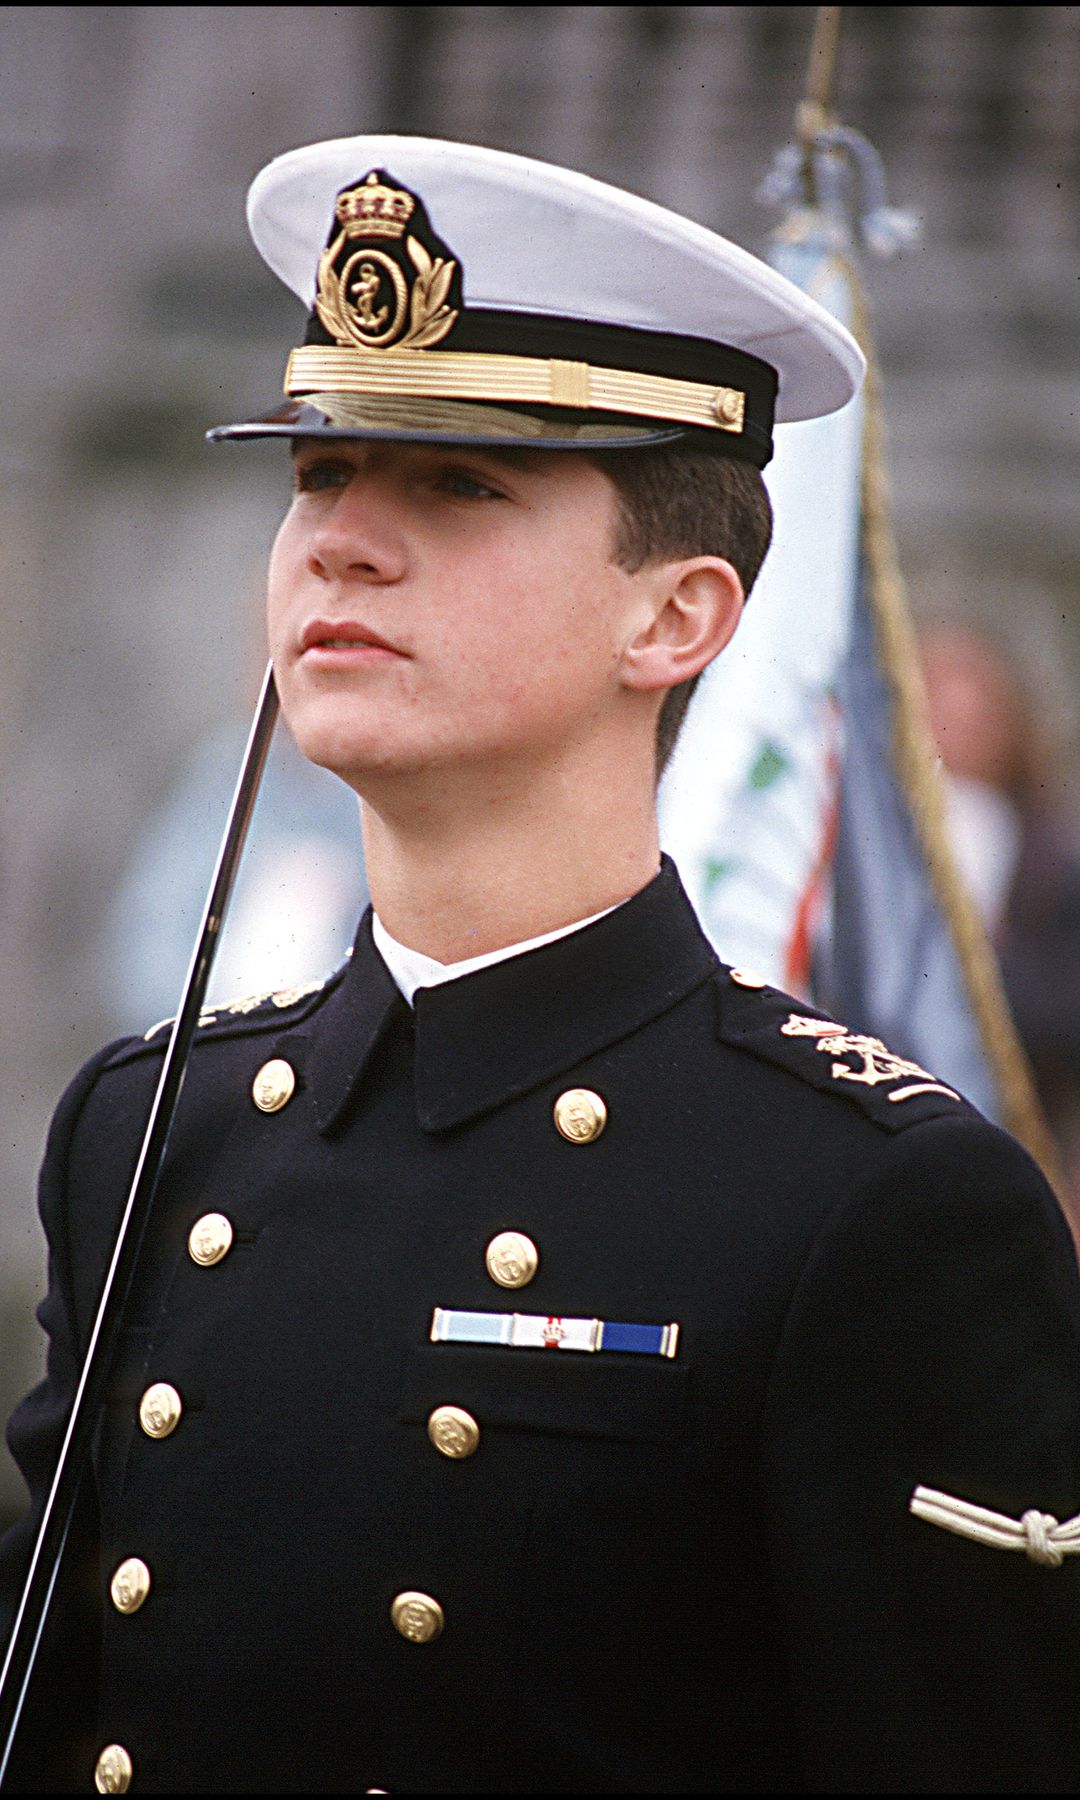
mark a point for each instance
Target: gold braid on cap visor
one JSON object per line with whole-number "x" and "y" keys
{"x": 533, "y": 380}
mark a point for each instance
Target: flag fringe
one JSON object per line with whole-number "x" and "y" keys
{"x": 915, "y": 759}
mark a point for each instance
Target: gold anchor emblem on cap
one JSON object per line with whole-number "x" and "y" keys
{"x": 370, "y": 299}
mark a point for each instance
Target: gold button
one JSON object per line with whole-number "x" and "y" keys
{"x": 113, "y": 1770}
{"x": 274, "y": 1085}
{"x": 210, "y": 1239}
{"x": 747, "y": 978}
{"x": 453, "y": 1431}
{"x": 130, "y": 1585}
{"x": 580, "y": 1115}
{"x": 729, "y": 407}
{"x": 418, "y": 1617}
{"x": 159, "y": 1410}
{"x": 512, "y": 1259}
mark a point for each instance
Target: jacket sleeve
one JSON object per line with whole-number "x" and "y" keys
{"x": 54, "y": 1746}
{"x": 933, "y": 1340}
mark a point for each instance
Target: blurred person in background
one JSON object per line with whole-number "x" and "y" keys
{"x": 1017, "y": 849}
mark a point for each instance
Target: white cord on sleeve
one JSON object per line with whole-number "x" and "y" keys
{"x": 1037, "y": 1534}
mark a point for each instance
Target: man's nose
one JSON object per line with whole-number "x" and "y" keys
{"x": 361, "y": 535}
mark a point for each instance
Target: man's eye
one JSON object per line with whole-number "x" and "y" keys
{"x": 317, "y": 477}
{"x": 467, "y": 486}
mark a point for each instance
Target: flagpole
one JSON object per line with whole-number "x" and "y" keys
{"x": 815, "y": 109}
{"x": 914, "y": 752}
{"x": 915, "y": 760}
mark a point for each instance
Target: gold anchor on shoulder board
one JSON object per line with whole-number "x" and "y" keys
{"x": 878, "y": 1063}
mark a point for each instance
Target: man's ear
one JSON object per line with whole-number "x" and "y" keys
{"x": 695, "y": 607}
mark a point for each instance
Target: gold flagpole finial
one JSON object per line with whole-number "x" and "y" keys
{"x": 815, "y": 110}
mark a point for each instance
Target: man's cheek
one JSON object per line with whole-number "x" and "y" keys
{"x": 276, "y": 638}
{"x": 276, "y": 590}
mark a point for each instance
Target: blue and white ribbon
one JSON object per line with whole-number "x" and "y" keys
{"x": 541, "y": 1331}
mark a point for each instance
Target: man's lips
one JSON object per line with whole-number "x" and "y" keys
{"x": 344, "y": 637}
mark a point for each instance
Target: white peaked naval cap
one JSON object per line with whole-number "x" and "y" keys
{"x": 462, "y": 294}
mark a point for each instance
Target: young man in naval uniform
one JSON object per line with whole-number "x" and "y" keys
{"x": 557, "y": 1363}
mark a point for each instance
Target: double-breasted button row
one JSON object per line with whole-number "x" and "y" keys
{"x": 511, "y": 1259}
{"x": 160, "y": 1411}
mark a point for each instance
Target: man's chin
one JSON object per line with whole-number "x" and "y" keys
{"x": 368, "y": 768}
{"x": 346, "y": 745}
{"x": 378, "y": 763}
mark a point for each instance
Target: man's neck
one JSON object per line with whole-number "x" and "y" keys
{"x": 457, "y": 880}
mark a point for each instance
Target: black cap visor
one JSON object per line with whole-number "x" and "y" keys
{"x": 407, "y": 420}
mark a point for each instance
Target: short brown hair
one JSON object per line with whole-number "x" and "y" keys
{"x": 679, "y": 500}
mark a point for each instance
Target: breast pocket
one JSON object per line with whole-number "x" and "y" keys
{"x": 627, "y": 1399}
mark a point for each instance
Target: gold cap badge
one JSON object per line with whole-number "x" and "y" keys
{"x": 370, "y": 295}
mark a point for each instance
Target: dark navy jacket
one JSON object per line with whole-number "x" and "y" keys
{"x": 657, "y": 1574}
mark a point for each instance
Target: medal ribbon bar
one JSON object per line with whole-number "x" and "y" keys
{"x": 540, "y": 1331}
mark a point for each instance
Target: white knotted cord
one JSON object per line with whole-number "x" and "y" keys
{"x": 1037, "y": 1534}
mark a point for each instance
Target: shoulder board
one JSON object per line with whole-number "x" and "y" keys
{"x": 890, "y": 1089}
{"x": 234, "y": 1018}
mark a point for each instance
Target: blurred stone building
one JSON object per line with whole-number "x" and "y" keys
{"x": 134, "y": 313}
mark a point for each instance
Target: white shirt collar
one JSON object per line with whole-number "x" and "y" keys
{"x": 411, "y": 969}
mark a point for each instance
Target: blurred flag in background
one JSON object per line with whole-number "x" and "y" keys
{"x": 802, "y": 804}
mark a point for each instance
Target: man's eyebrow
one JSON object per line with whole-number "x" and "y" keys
{"x": 514, "y": 456}
{"x": 509, "y": 456}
